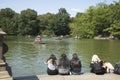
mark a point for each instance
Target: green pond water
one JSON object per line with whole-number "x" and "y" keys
{"x": 27, "y": 58}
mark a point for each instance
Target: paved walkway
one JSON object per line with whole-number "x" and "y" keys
{"x": 86, "y": 76}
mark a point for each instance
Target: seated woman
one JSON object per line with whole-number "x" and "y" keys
{"x": 52, "y": 66}
{"x": 108, "y": 66}
{"x": 97, "y": 65}
{"x": 63, "y": 65}
{"x": 75, "y": 65}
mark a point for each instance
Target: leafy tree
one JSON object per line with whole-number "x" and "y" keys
{"x": 100, "y": 19}
{"x": 46, "y": 23}
{"x": 6, "y": 16}
{"x": 82, "y": 24}
{"x": 61, "y": 22}
{"x": 114, "y": 28}
{"x": 55, "y": 24}
{"x": 14, "y": 22}
{"x": 28, "y": 22}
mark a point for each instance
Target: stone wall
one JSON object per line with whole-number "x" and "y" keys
{"x": 5, "y": 69}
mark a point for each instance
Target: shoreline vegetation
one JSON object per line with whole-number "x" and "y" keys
{"x": 97, "y": 22}
{"x": 62, "y": 37}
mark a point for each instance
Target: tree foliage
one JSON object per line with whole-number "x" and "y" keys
{"x": 61, "y": 22}
{"x": 28, "y": 22}
{"x": 6, "y": 16}
{"x": 46, "y": 23}
{"x": 55, "y": 24}
{"x": 102, "y": 19}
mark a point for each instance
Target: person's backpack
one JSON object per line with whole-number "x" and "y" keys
{"x": 97, "y": 68}
{"x": 117, "y": 68}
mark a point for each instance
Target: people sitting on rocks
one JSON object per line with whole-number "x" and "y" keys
{"x": 75, "y": 65}
{"x": 63, "y": 65}
{"x": 52, "y": 65}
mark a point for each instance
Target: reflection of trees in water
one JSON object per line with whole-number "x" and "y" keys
{"x": 59, "y": 49}
{"x": 39, "y": 46}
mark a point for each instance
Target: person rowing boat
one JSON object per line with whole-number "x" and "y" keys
{"x": 38, "y": 39}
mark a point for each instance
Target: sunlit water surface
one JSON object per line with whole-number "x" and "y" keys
{"x": 27, "y": 58}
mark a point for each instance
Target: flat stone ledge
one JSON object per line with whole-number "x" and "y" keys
{"x": 2, "y": 62}
{"x": 7, "y": 79}
{"x": 85, "y": 76}
{"x": 4, "y": 74}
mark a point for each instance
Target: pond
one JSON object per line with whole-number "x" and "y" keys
{"x": 27, "y": 58}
